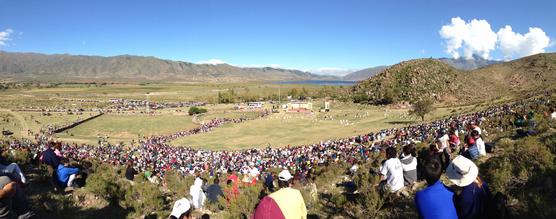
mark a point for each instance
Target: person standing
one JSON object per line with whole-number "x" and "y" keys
{"x": 197, "y": 195}
{"x": 285, "y": 203}
{"x": 214, "y": 191}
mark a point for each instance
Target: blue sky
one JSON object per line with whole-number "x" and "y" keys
{"x": 307, "y": 35}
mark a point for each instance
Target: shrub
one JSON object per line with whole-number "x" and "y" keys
{"x": 196, "y": 110}
{"x": 177, "y": 184}
{"x": 244, "y": 205}
{"x": 520, "y": 161}
{"x": 105, "y": 183}
{"x": 21, "y": 157}
{"x": 368, "y": 202}
{"x": 145, "y": 198}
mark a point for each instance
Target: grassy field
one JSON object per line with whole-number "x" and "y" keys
{"x": 284, "y": 129}
{"x": 281, "y": 129}
{"x": 126, "y": 127}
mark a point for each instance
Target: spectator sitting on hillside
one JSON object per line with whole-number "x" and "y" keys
{"x": 13, "y": 203}
{"x": 181, "y": 210}
{"x": 531, "y": 123}
{"x": 479, "y": 142}
{"x": 409, "y": 165}
{"x": 470, "y": 150}
{"x": 130, "y": 171}
{"x": 58, "y": 149}
{"x": 475, "y": 199}
{"x": 66, "y": 175}
{"x": 442, "y": 143}
{"x": 269, "y": 182}
{"x": 49, "y": 158}
{"x": 392, "y": 171}
{"x": 284, "y": 203}
{"x": 473, "y": 126}
{"x": 553, "y": 114}
{"x": 253, "y": 173}
{"x": 231, "y": 191}
{"x": 435, "y": 201}
{"x": 214, "y": 191}
{"x": 454, "y": 140}
{"x": 197, "y": 195}
{"x": 353, "y": 169}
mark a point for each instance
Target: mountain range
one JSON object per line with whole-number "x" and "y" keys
{"x": 469, "y": 64}
{"x": 127, "y": 68}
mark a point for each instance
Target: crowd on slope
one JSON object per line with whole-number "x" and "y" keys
{"x": 153, "y": 154}
{"x": 156, "y": 155}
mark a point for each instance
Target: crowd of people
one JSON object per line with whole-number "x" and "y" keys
{"x": 156, "y": 156}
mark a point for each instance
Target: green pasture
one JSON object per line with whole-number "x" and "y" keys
{"x": 125, "y": 128}
{"x": 284, "y": 129}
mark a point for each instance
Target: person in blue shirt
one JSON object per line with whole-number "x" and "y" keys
{"x": 66, "y": 174}
{"x": 475, "y": 199}
{"x": 435, "y": 201}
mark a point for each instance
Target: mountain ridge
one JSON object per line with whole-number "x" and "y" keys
{"x": 431, "y": 78}
{"x": 66, "y": 67}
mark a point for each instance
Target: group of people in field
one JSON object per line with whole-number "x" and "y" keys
{"x": 155, "y": 156}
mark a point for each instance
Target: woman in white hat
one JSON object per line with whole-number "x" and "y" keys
{"x": 474, "y": 199}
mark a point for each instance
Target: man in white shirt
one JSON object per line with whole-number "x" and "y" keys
{"x": 553, "y": 114}
{"x": 392, "y": 171}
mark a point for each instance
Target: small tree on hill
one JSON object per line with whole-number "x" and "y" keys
{"x": 421, "y": 108}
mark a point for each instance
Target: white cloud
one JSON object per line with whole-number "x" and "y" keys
{"x": 476, "y": 37}
{"x": 212, "y": 62}
{"x": 5, "y": 36}
{"x": 511, "y": 43}
{"x": 472, "y": 38}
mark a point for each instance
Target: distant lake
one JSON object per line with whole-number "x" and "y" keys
{"x": 319, "y": 82}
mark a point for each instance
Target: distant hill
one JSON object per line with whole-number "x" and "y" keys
{"x": 469, "y": 64}
{"x": 127, "y": 68}
{"x": 364, "y": 73}
{"x": 414, "y": 79}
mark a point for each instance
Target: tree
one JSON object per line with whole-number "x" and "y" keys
{"x": 421, "y": 108}
{"x": 196, "y": 110}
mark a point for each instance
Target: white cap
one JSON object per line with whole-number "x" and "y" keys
{"x": 181, "y": 206}
{"x": 285, "y": 175}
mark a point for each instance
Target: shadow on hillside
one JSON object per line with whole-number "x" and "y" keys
{"x": 400, "y": 122}
{"x": 110, "y": 211}
{"x": 49, "y": 204}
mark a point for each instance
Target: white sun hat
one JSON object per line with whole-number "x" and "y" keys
{"x": 462, "y": 171}
{"x": 181, "y": 206}
{"x": 285, "y": 175}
